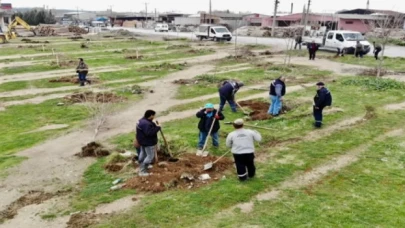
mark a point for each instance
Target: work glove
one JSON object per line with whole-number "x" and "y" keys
{"x": 217, "y": 117}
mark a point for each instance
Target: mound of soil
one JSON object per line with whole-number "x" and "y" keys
{"x": 93, "y": 149}
{"x": 182, "y": 174}
{"x": 260, "y": 109}
{"x": 73, "y": 80}
{"x": 33, "y": 197}
{"x": 163, "y": 66}
{"x": 266, "y": 53}
{"x": 185, "y": 81}
{"x": 139, "y": 57}
{"x": 94, "y": 97}
{"x": 81, "y": 220}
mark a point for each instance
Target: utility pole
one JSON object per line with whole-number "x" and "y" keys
{"x": 306, "y": 18}
{"x": 276, "y": 2}
{"x": 146, "y": 12}
{"x": 304, "y": 11}
{"x": 210, "y": 12}
{"x": 292, "y": 7}
{"x": 78, "y": 17}
{"x": 156, "y": 15}
{"x": 368, "y": 4}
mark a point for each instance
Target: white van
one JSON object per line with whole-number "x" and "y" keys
{"x": 341, "y": 40}
{"x": 162, "y": 28}
{"x": 214, "y": 32}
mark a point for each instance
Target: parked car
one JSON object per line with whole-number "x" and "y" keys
{"x": 162, "y": 28}
{"x": 342, "y": 40}
{"x": 213, "y": 32}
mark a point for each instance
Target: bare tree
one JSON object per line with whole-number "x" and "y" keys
{"x": 290, "y": 36}
{"x": 384, "y": 27}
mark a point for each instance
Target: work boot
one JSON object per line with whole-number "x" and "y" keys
{"x": 199, "y": 153}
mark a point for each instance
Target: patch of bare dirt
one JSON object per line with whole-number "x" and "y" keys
{"x": 33, "y": 197}
{"x": 136, "y": 57}
{"x": 185, "y": 81}
{"x": 50, "y": 127}
{"x": 371, "y": 72}
{"x": 183, "y": 174}
{"x": 81, "y": 220}
{"x": 101, "y": 97}
{"x": 74, "y": 80}
{"x": 163, "y": 66}
{"x": 93, "y": 149}
{"x": 260, "y": 109}
{"x": 265, "y": 53}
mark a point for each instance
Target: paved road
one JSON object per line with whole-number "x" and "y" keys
{"x": 277, "y": 43}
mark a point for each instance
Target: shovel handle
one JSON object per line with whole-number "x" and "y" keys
{"x": 221, "y": 157}
{"x": 209, "y": 134}
{"x": 243, "y": 110}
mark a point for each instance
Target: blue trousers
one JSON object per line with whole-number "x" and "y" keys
{"x": 276, "y": 105}
{"x": 318, "y": 116}
{"x": 222, "y": 102}
{"x": 203, "y": 136}
{"x": 82, "y": 78}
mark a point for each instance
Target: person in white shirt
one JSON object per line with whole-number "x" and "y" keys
{"x": 243, "y": 148}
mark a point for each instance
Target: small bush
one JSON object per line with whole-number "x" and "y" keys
{"x": 377, "y": 84}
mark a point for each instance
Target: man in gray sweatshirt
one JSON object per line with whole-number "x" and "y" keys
{"x": 242, "y": 142}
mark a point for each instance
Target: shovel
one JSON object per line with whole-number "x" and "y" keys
{"x": 209, "y": 134}
{"x": 211, "y": 164}
{"x": 243, "y": 110}
{"x": 171, "y": 159}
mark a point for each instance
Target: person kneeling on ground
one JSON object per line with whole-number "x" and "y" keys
{"x": 322, "y": 99}
{"x": 243, "y": 148}
{"x": 277, "y": 91}
{"x": 209, "y": 117}
{"x": 146, "y": 135}
{"x": 227, "y": 93}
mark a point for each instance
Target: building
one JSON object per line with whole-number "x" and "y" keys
{"x": 328, "y": 20}
{"x": 255, "y": 19}
{"x": 194, "y": 20}
{"x": 77, "y": 17}
{"x": 6, "y": 12}
{"x": 230, "y": 20}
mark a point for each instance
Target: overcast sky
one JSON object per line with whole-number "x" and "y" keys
{"x": 192, "y": 6}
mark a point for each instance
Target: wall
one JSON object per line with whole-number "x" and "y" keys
{"x": 267, "y": 22}
{"x": 355, "y": 25}
{"x": 186, "y": 20}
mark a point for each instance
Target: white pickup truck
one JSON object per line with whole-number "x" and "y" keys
{"x": 339, "y": 40}
{"x": 214, "y": 32}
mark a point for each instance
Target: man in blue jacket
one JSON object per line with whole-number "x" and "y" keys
{"x": 207, "y": 116}
{"x": 146, "y": 135}
{"x": 227, "y": 94}
{"x": 322, "y": 99}
{"x": 277, "y": 92}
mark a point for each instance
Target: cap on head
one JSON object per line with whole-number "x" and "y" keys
{"x": 239, "y": 122}
{"x": 209, "y": 105}
{"x": 320, "y": 84}
{"x": 81, "y": 59}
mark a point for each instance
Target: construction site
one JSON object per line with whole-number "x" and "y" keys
{"x": 67, "y": 154}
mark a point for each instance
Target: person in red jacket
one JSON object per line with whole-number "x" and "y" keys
{"x": 312, "y": 49}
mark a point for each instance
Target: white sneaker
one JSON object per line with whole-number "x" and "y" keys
{"x": 205, "y": 153}
{"x": 150, "y": 166}
{"x": 199, "y": 153}
{"x": 143, "y": 174}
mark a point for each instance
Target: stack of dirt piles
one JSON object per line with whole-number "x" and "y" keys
{"x": 78, "y": 30}
{"x": 90, "y": 97}
{"x": 93, "y": 149}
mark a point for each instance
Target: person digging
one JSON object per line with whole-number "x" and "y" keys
{"x": 241, "y": 141}
{"x": 227, "y": 93}
{"x": 147, "y": 137}
{"x": 277, "y": 92}
{"x": 208, "y": 126}
{"x": 322, "y": 99}
{"x": 82, "y": 69}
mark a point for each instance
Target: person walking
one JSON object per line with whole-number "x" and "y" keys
{"x": 298, "y": 41}
{"x": 227, "y": 93}
{"x": 277, "y": 92}
{"x": 359, "y": 52}
{"x": 82, "y": 69}
{"x": 146, "y": 135}
{"x": 241, "y": 141}
{"x": 207, "y": 116}
{"x": 312, "y": 49}
{"x": 377, "y": 50}
{"x": 322, "y": 99}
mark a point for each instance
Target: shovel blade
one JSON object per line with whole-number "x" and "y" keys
{"x": 208, "y": 166}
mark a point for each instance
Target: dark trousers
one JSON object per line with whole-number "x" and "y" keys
{"x": 359, "y": 54}
{"x": 312, "y": 55}
{"x": 318, "y": 116}
{"x": 376, "y": 52}
{"x": 297, "y": 44}
{"x": 245, "y": 165}
{"x": 222, "y": 102}
{"x": 82, "y": 78}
